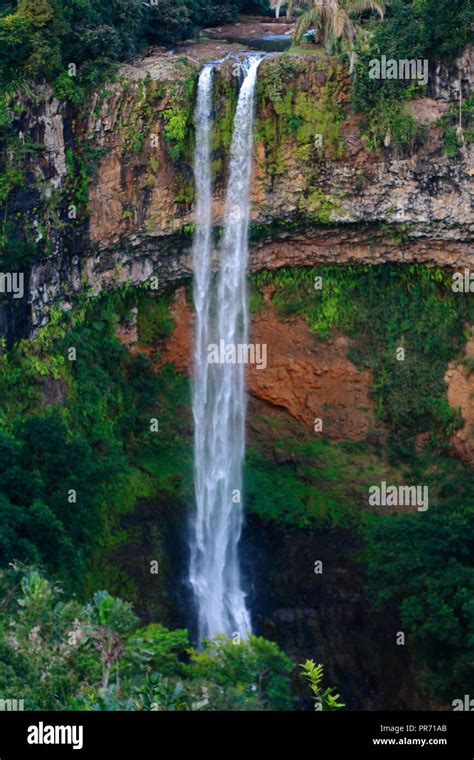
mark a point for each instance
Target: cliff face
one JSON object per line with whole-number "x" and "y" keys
{"x": 305, "y": 377}
{"x": 319, "y": 193}
{"x": 122, "y": 168}
{"x": 109, "y": 200}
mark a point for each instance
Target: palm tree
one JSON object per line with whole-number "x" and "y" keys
{"x": 334, "y": 18}
{"x": 275, "y": 5}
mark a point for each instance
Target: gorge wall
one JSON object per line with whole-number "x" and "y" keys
{"x": 109, "y": 202}
{"x": 319, "y": 193}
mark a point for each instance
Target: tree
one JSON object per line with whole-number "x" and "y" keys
{"x": 156, "y": 647}
{"x": 158, "y": 693}
{"x": 47, "y": 30}
{"x": 15, "y": 46}
{"x": 110, "y": 620}
{"x": 57, "y": 654}
{"x": 40, "y": 634}
{"x": 334, "y": 18}
{"x": 423, "y": 565}
{"x": 256, "y": 668}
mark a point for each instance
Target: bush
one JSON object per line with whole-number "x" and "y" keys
{"x": 57, "y": 654}
{"x": 390, "y": 123}
{"x": 435, "y": 30}
{"x": 256, "y": 668}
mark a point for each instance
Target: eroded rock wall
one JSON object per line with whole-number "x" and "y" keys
{"x": 319, "y": 194}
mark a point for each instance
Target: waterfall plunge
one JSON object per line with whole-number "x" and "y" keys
{"x": 219, "y": 401}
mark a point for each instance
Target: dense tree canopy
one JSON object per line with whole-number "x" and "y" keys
{"x": 40, "y": 38}
{"x": 424, "y": 564}
{"x": 58, "y": 654}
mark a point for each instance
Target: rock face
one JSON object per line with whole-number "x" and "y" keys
{"x": 311, "y": 379}
{"x": 136, "y": 182}
{"x": 179, "y": 346}
{"x": 306, "y": 377}
{"x": 315, "y": 201}
{"x": 460, "y": 381}
{"x": 327, "y": 617}
{"x": 319, "y": 194}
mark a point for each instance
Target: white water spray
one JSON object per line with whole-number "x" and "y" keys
{"x": 219, "y": 401}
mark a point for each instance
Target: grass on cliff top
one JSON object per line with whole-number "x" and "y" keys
{"x": 305, "y": 50}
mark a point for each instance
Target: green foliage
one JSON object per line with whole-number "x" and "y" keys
{"x": 78, "y": 176}
{"x": 289, "y": 115}
{"x": 447, "y": 26}
{"x": 9, "y": 179}
{"x": 319, "y": 207}
{"x": 279, "y": 72}
{"x": 18, "y": 238}
{"x": 57, "y": 655}
{"x": 256, "y": 669}
{"x": 390, "y": 123}
{"x": 382, "y": 308}
{"x": 160, "y": 649}
{"x": 323, "y": 700}
{"x": 39, "y": 655}
{"x": 111, "y": 613}
{"x": 161, "y": 693}
{"x": 400, "y": 36}
{"x": 86, "y": 442}
{"x": 458, "y": 126}
{"x": 108, "y": 619}
{"x": 310, "y": 488}
{"x": 423, "y": 564}
{"x": 309, "y": 482}
{"x": 177, "y": 130}
{"x": 40, "y": 38}
{"x": 14, "y": 46}
{"x": 412, "y": 29}
{"x": 65, "y": 88}
{"x": 225, "y": 102}
{"x": 42, "y": 525}
{"x": 154, "y": 320}
{"x": 337, "y": 25}
{"x": 81, "y": 165}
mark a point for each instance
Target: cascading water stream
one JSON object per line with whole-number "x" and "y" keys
{"x": 219, "y": 400}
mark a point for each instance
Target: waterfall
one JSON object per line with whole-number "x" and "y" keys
{"x": 219, "y": 401}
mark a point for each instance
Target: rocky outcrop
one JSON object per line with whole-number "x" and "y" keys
{"x": 460, "y": 382}
{"x": 308, "y": 378}
{"x": 326, "y": 616}
{"x": 319, "y": 194}
{"x": 342, "y": 180}
{"x": 312, "y": 380}
{"x": 138, "y": 259}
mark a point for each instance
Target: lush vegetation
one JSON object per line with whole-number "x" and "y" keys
{"x": 59, "y": 654}
{"x": 418, "y": 312}
{"x": 82, "y": 426}
{"x": 423, "y": 564}
{"x": 431, "y": 30}
{"x": 76, "y": 454}
{"x": 75, "y": 436}
{"x": 41, "y": 38}
{"x": 419, "y": 564}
